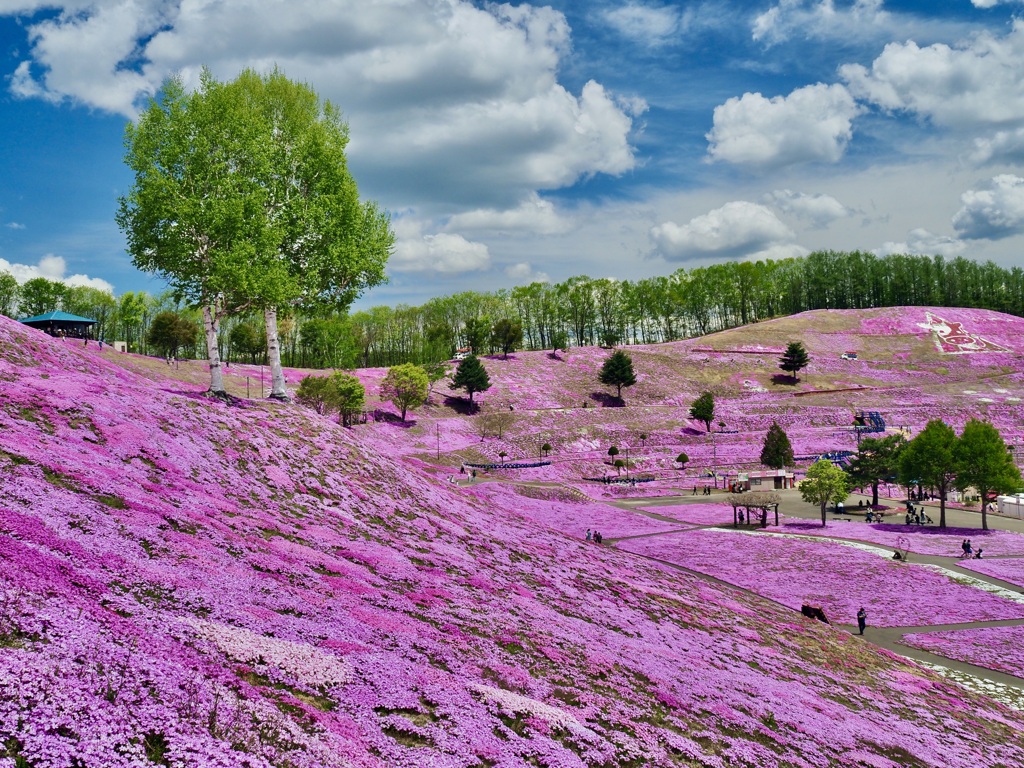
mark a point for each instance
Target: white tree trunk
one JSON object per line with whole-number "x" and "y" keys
{"x": 278, "y": 389}
{"x": 211, "y": 323}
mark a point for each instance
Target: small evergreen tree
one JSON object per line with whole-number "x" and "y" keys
{"x": 683, "y": 460}
{"x": 546, "y": 448}
{"x": 777, "y": 451}
{"x": 613, "y": 451}
{"x": 794, "y": 359}
{"x": 471, "y": 376}
{"x": 617, "y": 371}
{"x": 703, "y": 409}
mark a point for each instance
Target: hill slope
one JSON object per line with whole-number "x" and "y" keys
{"x": 188, "y": 583}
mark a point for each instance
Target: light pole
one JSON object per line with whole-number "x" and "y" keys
{"x": 437, "y": 432}
{"x": 627, "y": 463}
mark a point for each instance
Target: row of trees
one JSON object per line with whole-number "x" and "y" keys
{"x": 936, "y": 459}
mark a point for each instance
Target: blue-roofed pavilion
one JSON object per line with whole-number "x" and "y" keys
{"x": 55, "y": 322}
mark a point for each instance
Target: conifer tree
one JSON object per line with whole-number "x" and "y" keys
{"x": 617, "y": 371}
{"x": 703, "y": 409}
{"x": 777, "y": 451}
{"x": 794, "y": 359}
{"x": 471, "y": 376}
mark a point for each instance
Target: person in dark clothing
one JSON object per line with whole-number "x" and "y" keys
{"x": 862, "y": 620}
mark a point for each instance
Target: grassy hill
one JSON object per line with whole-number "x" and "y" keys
{"x": 184, "y": 582}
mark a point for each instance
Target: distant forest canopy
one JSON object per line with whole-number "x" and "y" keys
{"x": 580, "y": 311}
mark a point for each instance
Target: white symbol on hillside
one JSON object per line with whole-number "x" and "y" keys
{"x": 952, "y": 339}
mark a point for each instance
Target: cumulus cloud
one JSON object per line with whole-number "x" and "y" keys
{"x": 535, "y": 215}
{"x": 1000, "y": 147}
{"x": 992, "y": 213}
{"x": 444, "y": 253}
{"x": 53, "y": 268}
{"x": 651, "y": 25}
{"x": 818, "y": 209}
{"x": 978, "y": 83}
{"x": 921, "y": 242}
{"x": 821, "y": 19}
{"x": 737, "y": 229}
{"x": 449, "y": 104}
{"x": 813, "y": 123}
{"x": 523, "y": 273}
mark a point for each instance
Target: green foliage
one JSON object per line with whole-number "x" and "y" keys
{"x": 546, "y": 448}
{"x": 877, "y": 460}
{"x": 8, "y": 294}
{"x": 682, "y": 459}
{"x": 169, "y": 332}
{"x": 617, "y": 372}
{"x": 613, "y": 451}
{"x": 327, "y": 342}
{"x": 777, "y": 451}
{"x": 315, "y": 392}
{"x": 794, "y": 359}
{"x": 248, "y": 339}
{"x": 478, "y": 330}
{"x": 560, "y": 341}
{"x": 703, "y": 409}
{"x": 928, "y": 460}
{"x": 984, "y": 463}
{"x": 619, "y": 464}
{"x": 507, "y": 335}
{"x": 471, "y": 376}
{"x": 39, "y": 296}
{"x": 824, "y": 484}
{"x": 405, "y": 386}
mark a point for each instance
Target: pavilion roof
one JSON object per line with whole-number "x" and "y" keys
{"x": 57, "y": 317}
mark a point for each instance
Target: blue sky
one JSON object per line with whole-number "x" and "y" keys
{"x": 514, "y": 143}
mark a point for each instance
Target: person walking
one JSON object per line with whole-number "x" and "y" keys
{"x": 589, "y": 535}
{"x": 862, "y": 620}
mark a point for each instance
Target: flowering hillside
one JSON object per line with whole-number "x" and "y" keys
{"x": 184, "y": 582}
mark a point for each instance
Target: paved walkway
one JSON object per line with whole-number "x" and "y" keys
{"x": 792, "y": 506}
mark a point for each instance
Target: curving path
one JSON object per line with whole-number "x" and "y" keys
{"x": 890, "y": 638}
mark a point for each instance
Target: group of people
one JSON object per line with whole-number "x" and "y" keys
{"x": 968, "y": 551}
{"x": 594, "y": 536}
{"x": 705, "y": 490}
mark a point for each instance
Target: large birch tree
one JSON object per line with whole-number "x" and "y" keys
{"x": 243, "y": 200}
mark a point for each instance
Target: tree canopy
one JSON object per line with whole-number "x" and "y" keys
{"x": 703, "y": 409}
{"x": 169, "y": 332}
{"x": 471, "y": 376}
{"x": 777, "y": 451}
{"x": 794, "y": 359}
{"x": 617, "y": 372}
{"x": 876, "y": 460}
{"x": 405, "y": 386}
{"x": 242, "y": 199}
{"x": 984, "y": 463}
{"x": 928, "y": 461}
{"x": 824, "y": 484}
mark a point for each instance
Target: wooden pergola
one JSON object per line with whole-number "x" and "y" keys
{"x": 760, "y": 502}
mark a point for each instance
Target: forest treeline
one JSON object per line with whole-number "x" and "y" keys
{"x": 580, "y": 311}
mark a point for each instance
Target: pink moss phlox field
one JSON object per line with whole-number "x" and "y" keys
{"x": 188, "y": 583}
{"x": 835, "y": 576}
{"x": 997, "y": 648}
{"x": 920, "y": 539}
{"x": 1009, "y": 569}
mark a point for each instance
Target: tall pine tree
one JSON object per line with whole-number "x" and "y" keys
{"x": 777, "y": 451}
{"x": 794, "y": 359}
{"x": 471, "y": 376}
{"x": 617, "y": 371}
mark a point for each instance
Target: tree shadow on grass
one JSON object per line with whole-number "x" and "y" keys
{"x": 605, "y": 400}
{"x": 785, "y": 379}
{"x": 393, "y": 418}
{"x": 461, "y": 405}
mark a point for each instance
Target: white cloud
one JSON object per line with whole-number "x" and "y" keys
{"x": 737, "y": 229}
{"x": 819, "y": 209}
{"x": 535, "y": 215}
{"x": 992, "y": 213}
{"x": 820, "y": 19}
{"x": 651, "y": 25}
{"x": 14, "y": 225}
{"x": 53, "y": 268}
{"x": 449, "y": 104}
{"x": 441, "y": 253}
{"x": 523, "y": 273}
{"x": 1000, "y": 147}
{"x": 921, "y": 242}
{"x": 979, "y": 83}
{"x": 813, "y": 123}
